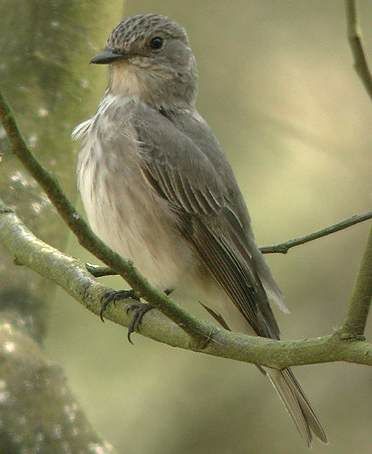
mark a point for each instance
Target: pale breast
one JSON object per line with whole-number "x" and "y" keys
{"x": 123, "y": 210}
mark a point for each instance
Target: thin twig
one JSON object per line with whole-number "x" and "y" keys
{"x": 357, "y": 48}
{"x": 100, "y": 271}
{"x": 283, "y": 248}
{"x": 361, "y": 298}
{"x": 72, "y": 275}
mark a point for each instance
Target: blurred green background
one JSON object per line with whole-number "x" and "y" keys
{"x": 278, "y": 87}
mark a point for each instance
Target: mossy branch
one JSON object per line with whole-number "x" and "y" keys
{"x": 85, "y": 235}
{"x": 71, "y": 274}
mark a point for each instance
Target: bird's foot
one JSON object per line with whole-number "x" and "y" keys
{"x": 113, "y": 296}
{"x": 139, "y": 310}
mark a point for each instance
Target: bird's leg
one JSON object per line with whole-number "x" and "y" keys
{"x": 139, "y": 310}
{"x": 113, "y": 296}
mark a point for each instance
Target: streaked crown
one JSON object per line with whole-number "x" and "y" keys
{"x": 141, "y": 28}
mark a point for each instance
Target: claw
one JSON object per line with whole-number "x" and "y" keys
{"x": 139, "y": 310}
{"x": 113, "y": 296}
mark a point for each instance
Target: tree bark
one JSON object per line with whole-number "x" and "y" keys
{"x": 44, "y": 53}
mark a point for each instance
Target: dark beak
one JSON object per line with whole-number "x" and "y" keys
{"x": 108, "y": 56}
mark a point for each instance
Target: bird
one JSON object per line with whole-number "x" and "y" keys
{"x": 158, "y": 189}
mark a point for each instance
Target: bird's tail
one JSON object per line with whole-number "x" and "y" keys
{"x": 297, "y": 404}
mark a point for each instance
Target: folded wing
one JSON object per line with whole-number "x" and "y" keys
{"x": 204, "y": 201}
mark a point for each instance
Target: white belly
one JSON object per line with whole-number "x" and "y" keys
{"x": 125, "y": 213}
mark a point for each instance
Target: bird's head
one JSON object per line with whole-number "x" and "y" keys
{"x": 150, "y": 57}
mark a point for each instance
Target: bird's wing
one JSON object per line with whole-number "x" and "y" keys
{"x": 203, "y": 200}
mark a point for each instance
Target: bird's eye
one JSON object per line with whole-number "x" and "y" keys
{"x": 156, "y": 43}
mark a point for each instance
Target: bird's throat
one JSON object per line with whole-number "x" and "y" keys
{"x": 125, "y": 81}
{"x": 150, "y": 87}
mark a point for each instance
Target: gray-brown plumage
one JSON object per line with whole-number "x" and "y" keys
{"x": 158, "y": 189}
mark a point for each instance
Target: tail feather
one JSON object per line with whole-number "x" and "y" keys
{"x": 297, "y": 404}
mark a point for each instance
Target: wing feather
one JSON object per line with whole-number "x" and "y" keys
{"x": 198, "y": 192}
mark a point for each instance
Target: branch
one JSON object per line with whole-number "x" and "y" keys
{"x": 72, "y": 275}
{"x": 283, "y": 248}
{"x": 85, "y": 235}
{"x": 361, "y": 297}
{"x": 100, "y": 271}
{"x": 356, "y": 44}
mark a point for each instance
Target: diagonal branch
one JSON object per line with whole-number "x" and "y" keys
{"x": 72, "y": 275}
{"x": 356, "y": 44}
{"x": 361, "y": 298}
{"x": 283, "y": 248}
{"x": 280, "y": 248}
{"x": 85, "y": 235}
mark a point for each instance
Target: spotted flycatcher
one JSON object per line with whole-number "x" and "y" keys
{"x": 157, "y": 188}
